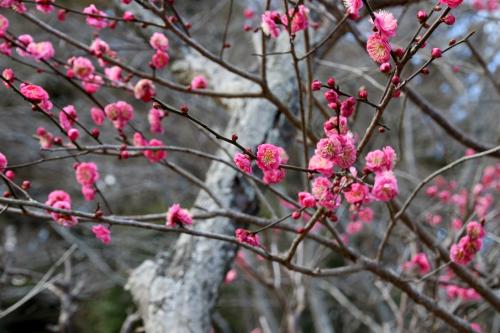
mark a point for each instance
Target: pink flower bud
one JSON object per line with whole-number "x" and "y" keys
{"x": 316, "y": 85}
{"x": 385, "y": 67}
{"x": 436, "y": 53}
{"x": 73, "y": 134}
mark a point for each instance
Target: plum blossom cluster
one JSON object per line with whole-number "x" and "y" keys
{"x": 269, "y": 160}
{"x": 61, "y": 200}
{"x": 36, "y": 95}
{"x": 154, "y": 156}
{"x": 459, "y": 201}
{"x": 87, "y": 175}
{"x": 378, "y": 47}
{"x": 27, "y": 47}
{"x": 464, "y": 251}
{"x": 247, "y": 237}
{"x": 454, "y": 291}
{"x": 159, "y": 42}
{"x": 273, "y": 21}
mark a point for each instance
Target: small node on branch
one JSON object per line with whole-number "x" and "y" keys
{"x": 234, "y": 137}
{"x": 98, "y": 214}
{"x": 6, "y": 194}
{"x": 331, "y": 82}
{"x": 363, "y": 93}
{"x": 425, "y": 71}
{"x": 95, "y": 133}
{"x": 184, "y": 109}
{"x": 381, "y": 129}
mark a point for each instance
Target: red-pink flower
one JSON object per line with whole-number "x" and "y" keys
{"x": 418, "y": 263}
{"x": 120, "y": 113}
{"x": 138, "y": 140}
{"x": 97, "y": 115}
{"x": 159, "y": 41}
{"x": 199, "y": 82}
{"x": 274, "y": 176}
{"x": 155, "y": 156}
{"x": 385, "y": 23}
{"x": 99, "y": 47}
{"x": 353, "y": 7}
{"x": 63, "y": 219}
{"x": 93, "y": 83}
{"x": 328, "y": 148}
{"x": 81, "y": 67}
{"x": 95, "y": 17}
{"x": 33, "y": 93}
{"x": 366, "y": 214}
{"x": 248, "y": 13}
{"x": 243, "y": 162}
{"x": 41, "y": 51}
{"x": 87, "y": 173}
{"x": 270, "y": 20}
{"x": 3, "y": 162}
{"x": 357, "y": 193}
{"x": 469, "y": 245}
{"x": 128, "y": 16}
{"x": 458, "y": 255}
{"x": 24, "y": 40}
{"x": 144, "y": 90}
{"x": 68, "y": 117}
{"x": 299, "y": 19}
{"x": 4, "y": 25}
{"x": 246, "y": 237}
{"x": 378, "y": 48}
{"x": 268, "y": 157}
{"x": 380, "y": 160}
{"x": 307, "y": 200}
{"x": 57, "y": 195}
{"x": 160, "y": 59}
{"x": 451, "y": 3}
{"x": 434, "y": 219}
{"x": 114, "y": 74}
{"x": 321, "y": 189}
{"x": 385, "y": 187}
{"x": 475, "y": 230}
{"x": 45, "y": 6}
{"x": 331, "y": 126}
{"x": 44, "y": 137}
{"x": 102, "y": 233}
{"x": 177, "y": 216}
{"x": 347, "y": 107}
{"x": 347, "y": 155}
{"x": 321, "y": 165}
{"x": 6, "y": 49}
{"x": 155, "y": 117}
{"x": 88, "y": 193}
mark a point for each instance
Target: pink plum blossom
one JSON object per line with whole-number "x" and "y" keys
{"x": 102, "y": 233}
{"x": 246, "y": 237}
{"x": 243, "y": 162}
{"x": 177, "y": 216}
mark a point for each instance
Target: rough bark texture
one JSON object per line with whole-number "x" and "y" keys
{"x": 177, "y": 291}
